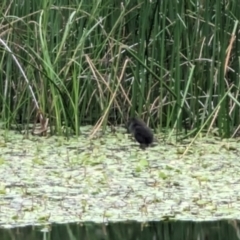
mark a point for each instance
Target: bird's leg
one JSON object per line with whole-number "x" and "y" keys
{"x": 143, "y": 146}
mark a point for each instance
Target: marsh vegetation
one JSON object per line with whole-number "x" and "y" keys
{"x": 174, "y": 64}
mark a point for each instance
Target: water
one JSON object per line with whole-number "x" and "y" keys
{"x": 215, "y": 230}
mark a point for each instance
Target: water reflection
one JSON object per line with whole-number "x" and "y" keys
{"x": 217, "y": 230}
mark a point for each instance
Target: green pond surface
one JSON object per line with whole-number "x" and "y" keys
{"x": 215, "y": 230}
{"x": 45, "y": 180}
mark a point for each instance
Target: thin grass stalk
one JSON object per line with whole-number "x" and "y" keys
{"x": 23, "y": 73}
{"x": 207, "y": 120}
{"x": 162, "y": 55}
{"x": 110, "y": 102}
{"x": 183, "y": 100}
{"x": 222, "y": 21}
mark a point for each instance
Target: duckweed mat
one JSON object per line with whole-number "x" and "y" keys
{"x": 109, "y": 178}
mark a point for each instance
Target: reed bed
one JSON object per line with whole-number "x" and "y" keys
{"x": 174, "y": 63}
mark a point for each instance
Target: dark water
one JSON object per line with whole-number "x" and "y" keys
{"x": 218, "y": 230}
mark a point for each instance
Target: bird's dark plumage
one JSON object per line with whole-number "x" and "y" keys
{"x": 141, "y": 132}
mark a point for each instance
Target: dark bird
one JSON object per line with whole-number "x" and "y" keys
{"x": 141, "y": 132}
